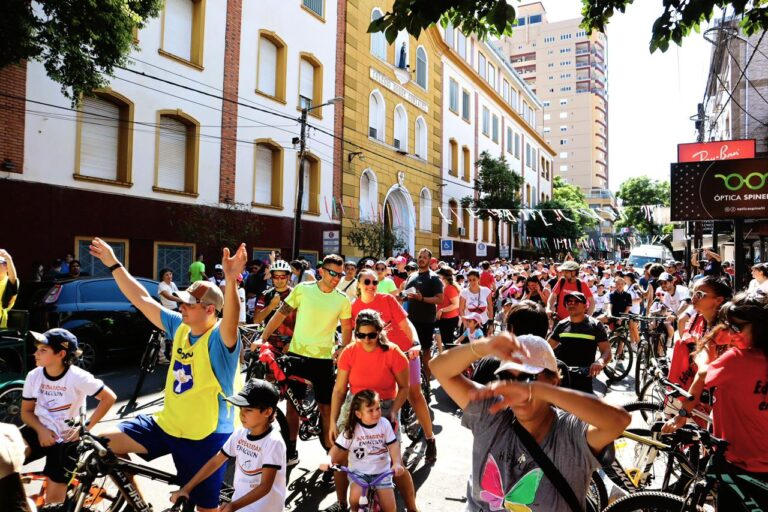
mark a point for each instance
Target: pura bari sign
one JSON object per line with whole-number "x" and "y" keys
{"x": 381, "y": 78}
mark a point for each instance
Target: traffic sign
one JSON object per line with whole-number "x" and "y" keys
{"x": 481, "y": 250}
{"x": 331, "y": 242}
{"x": 446, "y": 247}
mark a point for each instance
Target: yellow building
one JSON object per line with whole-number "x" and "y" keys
{"x": 391, "y": 135}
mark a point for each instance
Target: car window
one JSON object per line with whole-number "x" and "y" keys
{"x": 101, "y": 291}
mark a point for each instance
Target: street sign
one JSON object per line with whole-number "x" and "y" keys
{"x": 331, "y": 242}
{"x": 446, "y": 247}
{"x": 481, "y": 250}
{"x": 504, "y": 251}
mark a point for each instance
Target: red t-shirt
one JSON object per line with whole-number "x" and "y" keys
{"x": 373, "y": 370}
{"x": 569, "y": 287}
{"x": 740, "y": 411}
{"x": 449, "y": 292}
{"x": 683, "y": 368}
{"x": 391, "y": 312}
{"x": 487, "y": 279}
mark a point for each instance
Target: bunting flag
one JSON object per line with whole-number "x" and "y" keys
{"x": 341, "y": 205}
{"x": 325, "y": 201}
{"x": 447, "y": 220}
{"x": 543, "y": 218}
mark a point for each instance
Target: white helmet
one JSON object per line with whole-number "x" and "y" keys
{"x": 281, "y": 266}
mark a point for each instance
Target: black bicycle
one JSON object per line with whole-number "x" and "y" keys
{"x": 149, "y": 360}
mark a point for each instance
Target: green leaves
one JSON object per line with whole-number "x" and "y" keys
{"x": 637, "y": 192}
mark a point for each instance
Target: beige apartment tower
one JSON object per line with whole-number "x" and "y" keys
{"x": 566, "y": 68}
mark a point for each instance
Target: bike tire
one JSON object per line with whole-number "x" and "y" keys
{"x": 115, "y": 503}
{"x": 409, "y": 423}
{"x": 651, "y": 412}
{"x": 642, "y": 362}
{"x": 10, "y": 404}
{"x": 597, "y": 494}
{"x": 616, "y": 370}
{"x": 426, "y": 389}
{"x": 647, "y": 501}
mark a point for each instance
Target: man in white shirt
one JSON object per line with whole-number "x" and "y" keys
{"x": 348, "y": 284}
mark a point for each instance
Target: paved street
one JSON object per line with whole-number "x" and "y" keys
{"x": 439, "y": 487}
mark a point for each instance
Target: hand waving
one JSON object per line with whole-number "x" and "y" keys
{"x": 234, "y": 265}
{"x": 103, "y": 251}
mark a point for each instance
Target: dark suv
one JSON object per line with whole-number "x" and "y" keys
{"x": 97, "y": 312}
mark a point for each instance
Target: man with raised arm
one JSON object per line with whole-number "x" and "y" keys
{"x": 195, "y": 421}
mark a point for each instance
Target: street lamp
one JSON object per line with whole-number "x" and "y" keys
{"x": 300, "y": 195}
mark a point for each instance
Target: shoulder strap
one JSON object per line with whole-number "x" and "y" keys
{"x": 559, "y": 287}
{"x": 578, "y": 284}
{"x": 545, "y": 463}
{"x": 348, "y": 285}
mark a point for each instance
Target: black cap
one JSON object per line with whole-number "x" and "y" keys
{"x": 576, "y": 295}
{"x": 257, "y": 393}
{"x": 58, "y": 339}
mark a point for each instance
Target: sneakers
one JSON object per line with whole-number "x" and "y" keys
{"x": 431, "y": 454}
{"x": 336, "y": 507}
{"x": 293, "y": 459}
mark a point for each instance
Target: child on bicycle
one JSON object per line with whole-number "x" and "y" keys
{"x": 258, "y": 450}
{"x": 53, "y": 394}
{"x": 473, "y": 321}
{"x": 373, "y": 449}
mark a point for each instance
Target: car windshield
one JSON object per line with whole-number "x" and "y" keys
{"x": 638, "y": 261}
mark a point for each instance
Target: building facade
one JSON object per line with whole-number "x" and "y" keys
{"x": 566, "y": 68}
{"x": 203, "y": 119}
{"x": 487, "y": 108}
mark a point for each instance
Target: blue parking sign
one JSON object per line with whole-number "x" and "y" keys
{"x": 446, "y": 247}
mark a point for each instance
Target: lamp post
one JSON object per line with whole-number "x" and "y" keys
{"x": 300, "y": 195}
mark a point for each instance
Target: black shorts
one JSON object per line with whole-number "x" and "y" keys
{"x": 426, "y": 334}
{"x": 60, "y": 459}
{"x": 318, "y": 371}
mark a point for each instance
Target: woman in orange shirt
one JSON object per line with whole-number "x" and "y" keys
{"x": 448, "y": 312}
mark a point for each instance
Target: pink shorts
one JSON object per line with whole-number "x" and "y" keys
{"x": 415, "y": 371}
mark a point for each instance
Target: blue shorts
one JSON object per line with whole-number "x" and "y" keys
{"x": 188, "y": 455}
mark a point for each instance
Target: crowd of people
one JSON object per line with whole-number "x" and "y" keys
{"x": 535, "y": 334}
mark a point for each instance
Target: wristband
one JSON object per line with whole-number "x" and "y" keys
{"x": 115, "y": 267}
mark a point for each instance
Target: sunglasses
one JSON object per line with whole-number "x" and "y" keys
{"x": 369, "y": 282}
{"x": 281, "y": 276}
{"x": 332, "y": 273}
{"x": 363, "y": 335}
{"x": 572, "y": 301}
{"x": 698, "y": 295}
{"x": 734, "y": 327}
{"x": 520, "y": 377}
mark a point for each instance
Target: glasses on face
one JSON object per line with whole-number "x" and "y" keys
{"x": 332, "y": 273}
{"x": 520, "y": 377}
{"x": 279, "y": 276}
{"x": 369, "y": 282}
{"x": 369, "y": 335}
{"x": 698, "y": 295}
{"x": 572, "y": 301}
{"x": 734, "y": 327}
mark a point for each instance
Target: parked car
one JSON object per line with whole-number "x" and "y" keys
{"x": 97, "y": 312}
{"x": 643, "y": 254}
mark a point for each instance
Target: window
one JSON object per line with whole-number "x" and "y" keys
{"x": 421, "y": 138}
{"x": 465, "y": 222}
{"x": 563, "y": 168}
{"x": 421, "y": 67}
{"x": 528, "y": 156}
{"x": 461, "y": 44}
{"x": 513, "y": 97}
{"x": 563, "y": 37}
{"x": 528, "y": 194}
{"x": 453, "y": 170}
{"x": 268, "y": 174}
{"x": 183, "y": 31}
{"x": 376, "y": 116}
{"x": 486, "y": 121}
{"x": 565, "y": 50}
{"x": 310, "y": 83}
{"x": 520, "y": 21}
{"x": 505, "y": 90}
{"x": 401, "y": 129}
{"x": 565, "y": 63}
{"x": 271, "y": 66}
{"x": 549, "y": 39}
{"x": 453, "y": 215}
{"x": 547, "y": 129}
{"x": 402, "y": 49}
{"x": 563, "y": 128}
{"x": 534, "y": 18}
{"x": 547, "y": 117}
{"x": 310, "y": 200}
{"x": 551, "y": 65}
{"x": 105, "y": 138}
{"x": 425, "y": 210}
{"x": 378, "y": 40}
{"x": 510, "y": 141}
{"x": 93, "y": 265}
{"x": 563, "y": 115}
{"x": 565, "y": 89}
{"x": 315, "y": 6}
{"x": 563, "y": 101}
{"x": 177, "y": 153}
{"x": 517, "y": 146}
{"x": 563, "y": 142}
{"x": 545, "y": 103}
{"x": 565, "y": 76}
{"x": 369, "y": 198}
{"x": 482, "y": 66}
{"x": 449, "y": 32}
{"x": 581, "y": 33}
{"x": 177, "y": 257}
{"x": 453, "y": 96}
{"x": 495, "y": 130}
{"x": 492, "y": 75}
{"x": 465, "y": 104}
{"x": 466, "y": 162}
{"x": 563, "y": 154}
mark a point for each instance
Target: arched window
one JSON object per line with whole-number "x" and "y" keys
{"x": 421, "y": 138}
{"x": 310, "y": 83}
{"x": 465, "y": 222}
{"x": 402, "y": 49}
{"x": 268, "y": 173}
{"x": 376, "y": 116}
{"x": 453, "y": 215}
{"x": 425, "y": 210}
{"x": 369, "y": 195}
{"x": 378, "y": 41}
{"x": 401, "y": 129}
{"x": 176, "y": 163}
{"x": 310, "y": 200}
{"x": 421, "y": 67}
{"x": 271, "y": 66}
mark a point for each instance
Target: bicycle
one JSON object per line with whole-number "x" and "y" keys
{"x": 147, "y": 365}
{"x": 647, "y": 348}
{"x": 408, "y": 420}
{"x": 621, "y": 349}
{"x": 369, "y": 500}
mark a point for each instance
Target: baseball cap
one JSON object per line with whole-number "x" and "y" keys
{"x": 540, "y": 357}
{"x": 569, "y": 265}
{"x": 433, "y": 260}
{"x": 411, "y": 265}
{"x": 58, "y": 339}
{"x": 400, "y": 260}
{"x": 218, "y": 267}
{"x": 576, "y": 295}
{"x": 202, "y": 291}
{"x": 466, "y": 263}
{"x": 474, "y": 316}
{"x": 256, "y": 393}
{"x": 666, "y": 276}
{"x": 350, "y": 263}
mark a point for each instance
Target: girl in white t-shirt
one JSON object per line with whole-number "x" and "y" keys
{"x": 369, "y": 443}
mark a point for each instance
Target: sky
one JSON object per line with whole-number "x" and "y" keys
{"x": 650, "y": 97}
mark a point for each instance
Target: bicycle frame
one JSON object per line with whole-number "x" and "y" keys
{"x": 368, "y": 499}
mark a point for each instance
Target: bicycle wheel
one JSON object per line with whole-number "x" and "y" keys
{"x": 647, "y": 501}
{"x": 651, "y": 412}
{"x": 10, "y": 404}
{"x": 426, "y": 389}
{"x": 641, "y": 365}
{"x": 617, "y": 369}
{"x": 653, "y": 392}
{"x": 597, "y": 494}
{"x": 409, "y": 423}
{"x": 103, "y": 495}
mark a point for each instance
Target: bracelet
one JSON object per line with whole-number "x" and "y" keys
{"x": 472, "y": 348}
{"x": 115, "y": 267}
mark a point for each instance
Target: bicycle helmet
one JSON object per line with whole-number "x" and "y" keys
{"x": 280, "y": 266}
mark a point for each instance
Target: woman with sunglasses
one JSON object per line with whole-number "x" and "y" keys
{"x": 372, "y": 362}
{"x": 476, "y": 299}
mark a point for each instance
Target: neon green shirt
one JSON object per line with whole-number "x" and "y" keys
{"x": 317, "y": 315}
{"x": 386, "y": 285}
{"x": 196, "y": 271}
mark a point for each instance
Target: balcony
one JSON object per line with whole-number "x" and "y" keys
{"x": 527, "y": 57}
{"x": 582, "y": 62}
{"x": 582, "y": 77}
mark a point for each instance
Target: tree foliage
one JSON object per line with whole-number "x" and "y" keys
{"x": 497, "y": 187}
{"x": 637, "y": 192}
{"x": 215, "y": 226}
{"x": 375, "y": 239}
{"x": 79, "y": 42}
{"x": 569, "y": 199}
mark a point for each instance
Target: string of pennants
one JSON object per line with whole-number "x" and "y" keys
{"x": 588, "y": 244}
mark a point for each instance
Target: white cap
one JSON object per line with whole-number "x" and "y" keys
{"x": 218, "y": 267}
{"x": 540, "y": 358}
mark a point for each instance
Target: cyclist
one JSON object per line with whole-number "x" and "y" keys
{"x": 269, "y": 302}
{"x": 576, "y": 339}
{"x": 196, "y": 420}
{"x": 53, "y": 393}
{"x": 319, "y": 306}
{"x": 9, "y": 286}
{"x": 567, "y": 283}
{"x": 619, "y": 303}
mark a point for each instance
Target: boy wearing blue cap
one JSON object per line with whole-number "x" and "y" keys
{"x": 53, "y": 393}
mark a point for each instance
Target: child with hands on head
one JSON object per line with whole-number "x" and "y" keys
{"x": 371, "y": 447}
{"x": 258, "y": 450}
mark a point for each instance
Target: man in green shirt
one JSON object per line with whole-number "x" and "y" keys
{"x": 319, "y": 308}
{"x": 197, "y": 270}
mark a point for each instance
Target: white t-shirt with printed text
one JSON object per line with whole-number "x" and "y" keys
{"x": 369, "y": 447}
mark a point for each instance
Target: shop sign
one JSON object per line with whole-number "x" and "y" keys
{"x": 718, "y": 150}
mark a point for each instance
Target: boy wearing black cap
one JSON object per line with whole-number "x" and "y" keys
{"x": 53, "y": 393}
{"x": 259, "y": 453}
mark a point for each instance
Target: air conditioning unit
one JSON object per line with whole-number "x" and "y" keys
{"x": 462, "y": 231}
{"x": 397, "y": 143}
{"x": 372, "y": 132}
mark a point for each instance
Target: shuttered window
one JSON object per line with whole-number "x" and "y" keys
{"x": 306, "y": 84}
{"x": 262, "y": 187}
{"x": 267, "y": 67}
{"x": 421, "y": 67}
{"x": 100, "y": 139}
{"x": 177, "y": 32}
{"x": 315, "y": 6}
{"x": 172, "y": 158}
{"x": 307, "y": 189}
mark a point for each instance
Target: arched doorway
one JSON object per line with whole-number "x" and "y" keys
{"x": 400, "y": 215}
